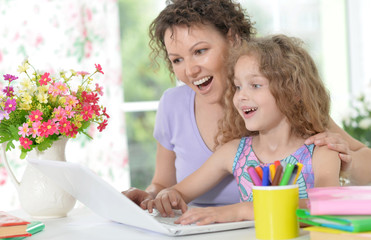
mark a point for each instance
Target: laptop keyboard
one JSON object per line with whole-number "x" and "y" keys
{"x": 168, "y": 220}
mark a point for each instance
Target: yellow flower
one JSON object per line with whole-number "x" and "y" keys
{"x": 26, "y": 98}
{"x": 24, "y": 106}
{"x": 26, "y": 84}
{"x": 43, "y": 89}
{"x": 78, "y": 117}
{"x": 24, "y": 67}
{"x": 42, "y": 97}
{"x": 62, "y": 101}
{"x": 39, "y": 139}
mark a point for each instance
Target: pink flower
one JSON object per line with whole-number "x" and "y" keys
{"x": 10, "y": 105}
{"x": 23, "y": 130}
{"x": 10, "y": 78}
{"x": 4, "y": 114}
{"x": 82, "y": 73}
{"x": 72, "y": 132}
{"x": 71, "y": 100}
{"x": 104, "y": 112}
{"x": 102, "y": 126}
{"x": 35, "y": 129}
{"x": 58, "y": 88}
{"x": 87, "y": 112}
{"x": 59, "y": 113}
{"x": 47, "y": 128}
{"x": 9, "y": 91}
{"x": 89, "y": 97}
{"x": 44, "y": 79}
{"x": 68, "y": 112}
{"x": 36, "y": 116}
{"x": 99, "y": 89}
{"x": 98, "y": 68}
{"x": 64, "y": 126}
{"x": 25, "y": 142}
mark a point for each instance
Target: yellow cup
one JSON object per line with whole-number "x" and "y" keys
{"x": 275, "y": 211}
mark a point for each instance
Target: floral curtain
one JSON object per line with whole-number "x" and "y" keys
{"x": 62, "y": 35}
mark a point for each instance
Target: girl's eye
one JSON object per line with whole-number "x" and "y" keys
{"x": 237, "y": 88}
{"x": 176, "y": 60}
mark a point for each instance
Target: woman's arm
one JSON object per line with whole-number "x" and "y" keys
{"x": 164, "y": 177}
{"x": 355, "y": 156}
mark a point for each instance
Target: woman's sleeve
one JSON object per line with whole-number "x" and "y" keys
{"x": 162, "y": 131}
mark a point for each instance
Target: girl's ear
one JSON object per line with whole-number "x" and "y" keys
{"x": 233, "y": 40}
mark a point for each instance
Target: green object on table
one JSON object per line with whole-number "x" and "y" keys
{"x": 33, "y": 227}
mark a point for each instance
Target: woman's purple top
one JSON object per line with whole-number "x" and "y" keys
{"x": 176, "y": 130}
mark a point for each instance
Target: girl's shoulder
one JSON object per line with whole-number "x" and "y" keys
{"x": 230, "y": 146}
{"x": 323, "y": 152}
{"x": 326, "y": 166}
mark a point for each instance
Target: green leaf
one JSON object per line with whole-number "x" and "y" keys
{"x": 47, "y": 143}
{"x": 10, "y": 145}
{"x": 85, "y": 125}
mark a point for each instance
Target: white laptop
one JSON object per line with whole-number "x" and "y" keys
{"x": 103, "y": 199}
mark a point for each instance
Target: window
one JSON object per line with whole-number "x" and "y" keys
{"x": 333, "y": 31}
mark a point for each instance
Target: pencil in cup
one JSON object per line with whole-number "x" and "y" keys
{"x": 275, "y": 174}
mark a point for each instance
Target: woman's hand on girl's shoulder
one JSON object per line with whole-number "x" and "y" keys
{"x": 335, "y": 142}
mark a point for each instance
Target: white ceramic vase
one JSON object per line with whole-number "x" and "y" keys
{"x": 38, "y": 195}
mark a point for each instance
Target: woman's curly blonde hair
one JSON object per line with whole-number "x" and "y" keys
{"x": 225, "y": 15}
{"x": 293, "y": 81}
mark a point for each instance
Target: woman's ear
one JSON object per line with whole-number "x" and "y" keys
{"x": 233, "y": 39}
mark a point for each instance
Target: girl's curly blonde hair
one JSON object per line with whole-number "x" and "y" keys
{"x": 293, "y": 81}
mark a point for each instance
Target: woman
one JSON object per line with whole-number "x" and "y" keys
{"x": 193, "y": 36}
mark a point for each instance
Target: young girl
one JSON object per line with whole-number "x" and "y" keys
{"x": 279, "y": 97}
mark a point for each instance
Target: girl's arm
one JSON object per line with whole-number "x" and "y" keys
{"x": 203, "y": 179}
{"x": 326, "y": 167}
{"x": 230, "y": 213}
{"x": 355, "y": 156}
{"x": 164, "y": 177}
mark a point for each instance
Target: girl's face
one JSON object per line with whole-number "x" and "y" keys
{"x": 253, "y": 99}
{"x": 197, "y": 54}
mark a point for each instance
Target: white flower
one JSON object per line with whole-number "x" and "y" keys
{"x": 365, "y": 123}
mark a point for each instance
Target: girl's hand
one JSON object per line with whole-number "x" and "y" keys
{"x": 208, "y": 215}
{"x": 334, "y": 141}
{"x": 140, "y": 197}
{"x": 167, "y": 200}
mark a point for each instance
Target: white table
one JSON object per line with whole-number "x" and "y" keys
{"x": 82, "y": 224}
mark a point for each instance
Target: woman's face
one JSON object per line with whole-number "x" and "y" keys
{"x": 197, "y": 55}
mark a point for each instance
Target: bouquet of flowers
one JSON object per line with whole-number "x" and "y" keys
{"x": 357, "y": 121}
{"x": 41, "y": 109}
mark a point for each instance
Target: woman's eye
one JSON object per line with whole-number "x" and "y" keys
{"x": 200, "y": 51}
{"x": 256, "y": 85}
{"x": 237, "y": 88}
